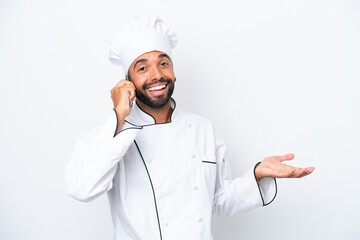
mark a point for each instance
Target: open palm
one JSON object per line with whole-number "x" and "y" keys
{"x": 274, "y": 167}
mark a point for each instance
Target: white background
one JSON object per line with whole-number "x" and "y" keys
{"x": 274, "y": 76}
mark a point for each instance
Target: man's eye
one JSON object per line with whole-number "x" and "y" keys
{"x": 164, "y": 64}
{"x": 142, "y": 69}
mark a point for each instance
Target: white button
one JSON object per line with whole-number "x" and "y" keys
{"x": 189, "y": 126}
{"x": 200, "y": 220}
{"x": 193, "y": 156}
{"x": 149, "y": 160}
{"x": 195, "y": 188}
{"x": 165, "y": 224}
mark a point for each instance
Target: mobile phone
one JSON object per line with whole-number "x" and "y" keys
{"x": 130, "y": 102}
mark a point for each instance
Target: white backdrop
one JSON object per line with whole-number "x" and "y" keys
{"x": 274, "y": 76}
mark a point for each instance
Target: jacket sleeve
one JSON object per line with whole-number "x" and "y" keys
{"x": 93, "y": 163}
{"x": 241, "y": 194}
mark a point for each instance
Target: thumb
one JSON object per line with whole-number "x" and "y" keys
{"x": 286, "y": 157}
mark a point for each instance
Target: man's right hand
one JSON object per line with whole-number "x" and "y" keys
{"x": 121, "y": 95}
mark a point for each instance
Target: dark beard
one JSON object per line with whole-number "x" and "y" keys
{"x": 159, "y": 101}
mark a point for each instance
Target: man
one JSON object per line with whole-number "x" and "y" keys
{"x": 163, "y": 168}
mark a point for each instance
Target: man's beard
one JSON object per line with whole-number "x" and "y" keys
{"x": 159, "y": 101}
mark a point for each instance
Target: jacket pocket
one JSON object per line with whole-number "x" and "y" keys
{"x": 208, "y": 169}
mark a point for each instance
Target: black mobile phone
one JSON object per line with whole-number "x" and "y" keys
{"x": 130, "y": 102}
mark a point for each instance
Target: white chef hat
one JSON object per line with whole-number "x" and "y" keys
{"x": 139, "y": 35}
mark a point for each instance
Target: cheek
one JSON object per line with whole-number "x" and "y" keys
{"x": 139, "y": 80}
{"x": 169, "y": 73}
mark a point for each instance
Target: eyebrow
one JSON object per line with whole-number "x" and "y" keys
{"x": 166, "y": 56}
{"x": 140, "y": 61}
{"x": 145, "y": 60}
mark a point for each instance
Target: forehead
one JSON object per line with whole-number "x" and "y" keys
{"x": 149, "y": 56}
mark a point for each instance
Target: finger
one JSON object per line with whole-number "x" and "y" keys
{"x": 130, "y": 91}
{"x": 287, "y": 157}
{"x": 127, "y": 90}
{"x": 118, "y": 85}
{"x": 122, "y": 82}
{"x": 302, "y": 172}
{"x": 285, "y": 174}
{"x": 132, "y": 95}
{"x": 307, "y": 171}
{"x": 128, "y": 83}
{"x": 291, "y": 172}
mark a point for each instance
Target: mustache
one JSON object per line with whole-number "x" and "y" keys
{"x": 161, "y": 80}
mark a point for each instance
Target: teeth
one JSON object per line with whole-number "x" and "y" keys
{"x": 157, "y": 87}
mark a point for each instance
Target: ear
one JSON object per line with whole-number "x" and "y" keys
{"x": 128, "y": 76}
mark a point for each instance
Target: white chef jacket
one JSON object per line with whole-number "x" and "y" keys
{"x": 164, "y": 181}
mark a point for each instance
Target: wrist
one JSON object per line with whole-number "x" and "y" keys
{"x": 121, "y": 113}
{"x": 257, "y": 172}
{"x": 120, "y": 120}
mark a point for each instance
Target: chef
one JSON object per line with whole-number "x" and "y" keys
{"x": 164, "y": 169}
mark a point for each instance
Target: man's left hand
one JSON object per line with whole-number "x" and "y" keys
{"x": 273, "y": 167}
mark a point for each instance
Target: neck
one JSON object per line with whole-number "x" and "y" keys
{"x": 161, "y": 115}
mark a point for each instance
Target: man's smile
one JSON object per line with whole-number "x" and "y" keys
{"x": 156, "y": 88}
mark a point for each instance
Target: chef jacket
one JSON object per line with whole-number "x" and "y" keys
{"x": 164, "y": 181}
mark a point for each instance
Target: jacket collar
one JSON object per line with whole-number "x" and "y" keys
{"x": 139, "y": 117}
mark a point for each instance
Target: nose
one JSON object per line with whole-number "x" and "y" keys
{"x": 156, "y": 73}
